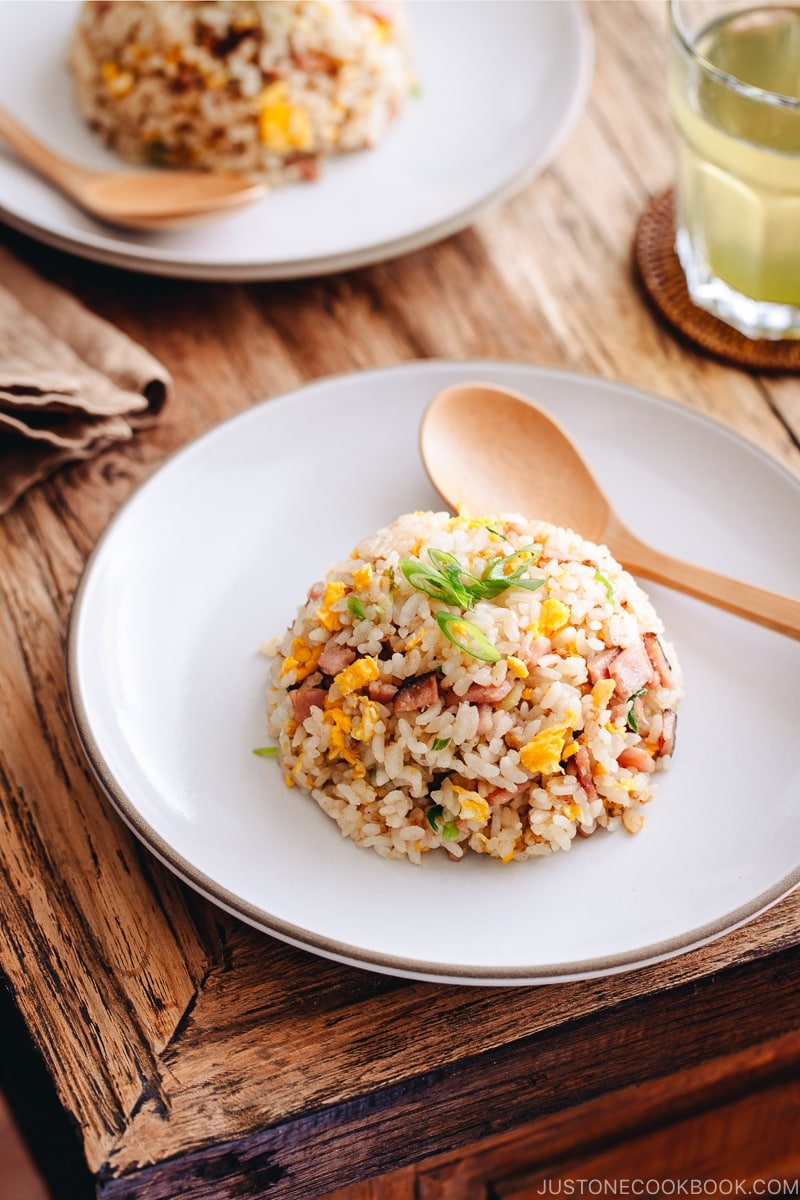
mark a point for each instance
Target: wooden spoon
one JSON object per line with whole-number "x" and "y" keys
{"x": 489, "y": 450}
{"x": 135, "y": 199}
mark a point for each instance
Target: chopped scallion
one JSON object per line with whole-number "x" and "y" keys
{"x": 449, "y": 831}
{"x": 441, "y": 743}
{"x": 266, "y": 751}
{"x": 434, "y": 816}
{"x": 632, "y": 722}
{"x": 355, "y": 606}
{"x": 467, "y": 637}
{"x": 453, "y": 584}
{"x": 606, "y": 582}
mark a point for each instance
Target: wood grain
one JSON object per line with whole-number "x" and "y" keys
{"x": 190, "y": 1052}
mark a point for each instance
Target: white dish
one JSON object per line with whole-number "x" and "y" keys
{"x": 502, "y": 84}
{"x": 210, "y": 558}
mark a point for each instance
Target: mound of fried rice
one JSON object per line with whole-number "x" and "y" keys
{"x": 264, "y": 86}
{"x": 475, "y": 684}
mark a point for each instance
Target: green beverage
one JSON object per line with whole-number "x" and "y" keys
{"x": 735, "y": 94}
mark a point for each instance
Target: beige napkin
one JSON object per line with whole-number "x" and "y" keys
{"x": 70, "y": 383}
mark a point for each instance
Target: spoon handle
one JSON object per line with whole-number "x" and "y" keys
{"x": 65, "y": 175}
{"x": 772, "y": 609}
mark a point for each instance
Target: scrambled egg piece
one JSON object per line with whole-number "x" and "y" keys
{"x": 462, "y": 521}
{"x": 334, "y": 591}
{"x": 283, "y": 126}
{"x": 357, "y": 675}
{"x": 602, "y": 692}
{"x": 362, "y": 577}
{"x": 381, "y": 29}
{"x": 340, "y": 724}
{"x": 368, "y": 718}
{"x": 302, "y": 660}
{"x": 517, "y": 667}
{"x": 473, "y": 807}
{"x": 553, "y": 616}
{"x": 118, "y": 82}
{"x": 543, "y": 753}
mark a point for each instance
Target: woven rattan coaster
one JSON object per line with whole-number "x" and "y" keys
{"x": 661, "y": 273}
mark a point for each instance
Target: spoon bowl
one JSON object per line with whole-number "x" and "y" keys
{"x": 489, "y": 450}
{"x": 157, "y": 199}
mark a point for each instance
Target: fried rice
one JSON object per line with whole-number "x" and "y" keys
{"x": 488, "y": 685}
{"x": 263, "y": 86}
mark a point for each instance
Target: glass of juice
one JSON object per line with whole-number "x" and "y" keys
{"x": 735, "y": 98}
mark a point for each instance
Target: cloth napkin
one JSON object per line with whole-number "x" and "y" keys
{"x": 71, "y": 384}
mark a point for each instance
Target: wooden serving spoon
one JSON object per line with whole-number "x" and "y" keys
{"x": 135, "y": 199}
{"x": 489, "y": 450}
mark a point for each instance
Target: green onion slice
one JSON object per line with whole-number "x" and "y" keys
{"x": 441, "y": 743}
{"x": 445, "y": 561}
{"x": 467, "y": 637}
{"x": 433, "y": 583}
{"x": 447, "y": 580}
{"x": 435, "y": 815}
{"x": 449, "y": 831}
{"x": 355, "y": 606}
{"x": 266, "y": 751}
{"x": 632, "y": 723}
{"x": 606, "y": 582}
{"x": 532, "y": 585}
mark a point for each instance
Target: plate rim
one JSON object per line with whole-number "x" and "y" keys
{"x": 332, "y": 948}
{"x": 142, "y": 260}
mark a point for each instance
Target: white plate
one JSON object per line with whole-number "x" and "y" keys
{"x": 210, "y": 558}
{"x": 502, "y": 83}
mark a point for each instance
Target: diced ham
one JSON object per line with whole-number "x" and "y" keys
{"x": 492, "y": 693}
{"x": 416, "y": 694}
{"x": 636, "y": 759}
{"x": 599, "y": 664}
{"x": 631, "y": 669}
{"x": 304, "y": 699}
{"x": 583, "y": 769}
{"x": 499, "y": 796}
{"x": 317, "y": 590}
{"x": 335, "y": 658}
{"x": 485, "y": 713}
{"x": 384, "y": 693}
{"x": 666, "y": 743}
{"x": 655, "y": 652}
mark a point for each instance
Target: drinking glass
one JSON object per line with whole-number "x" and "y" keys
{"x": 735, "y": 99}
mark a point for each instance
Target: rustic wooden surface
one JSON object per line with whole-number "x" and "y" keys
{"x": 191, "y": 1055}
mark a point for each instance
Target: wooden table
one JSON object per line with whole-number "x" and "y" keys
{"x": 193, "y": 1057}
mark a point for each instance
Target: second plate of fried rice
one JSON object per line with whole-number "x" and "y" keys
{"x": 497, "y": 88}
{"x": 211, "y": 558}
